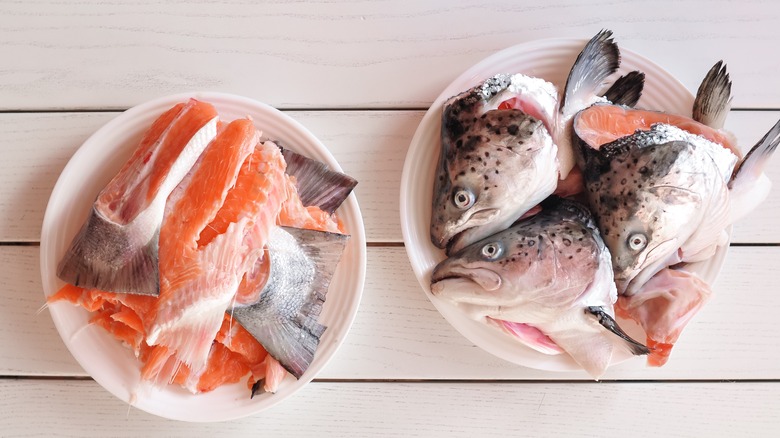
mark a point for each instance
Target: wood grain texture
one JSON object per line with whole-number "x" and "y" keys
{"x": 369, "y": 145}
{"x": 349, "y": 53}
{"x": 82, "y": 408}
{"x": 398, "y": 334}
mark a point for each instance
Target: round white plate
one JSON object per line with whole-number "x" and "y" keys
{"x": 105, "y": 359}
{"x": 551, "y": 60}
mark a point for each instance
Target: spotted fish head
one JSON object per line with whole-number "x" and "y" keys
{"x": 647, "y": 198}
{"x": 541, "y": 259}
{"x": 490, "y": 172}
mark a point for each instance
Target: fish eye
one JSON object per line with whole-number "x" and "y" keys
{"x": 463, "y": 199}
{"x": 637, "y": 241}
{"x": 491, "y": 251}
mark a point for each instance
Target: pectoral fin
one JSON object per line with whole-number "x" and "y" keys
{"x": 610, "y": 324}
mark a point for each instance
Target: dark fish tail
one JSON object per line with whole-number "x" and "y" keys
{"x": 754, "y": 162}
{"x": 627, "y": 89}
{"x": 609, "y": 323}
{"x": 318, "y": 185}
{"x": 284, "y": 319}
{"x": 599, "y": 59}
{"x": 713, "y": 98}
{"x": 128, "y": 264}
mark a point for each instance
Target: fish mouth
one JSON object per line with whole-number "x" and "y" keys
{"x": 664, "y": 254}
{"x": 453, "y": 233}
{"x": 455, "y": 281}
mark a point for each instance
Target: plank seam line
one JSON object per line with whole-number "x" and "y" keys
{"x": 283, "y": 109}
{"x": 459, "y": 381}
{"x": 286, "y": 109}
{"x": 401, "y": 244}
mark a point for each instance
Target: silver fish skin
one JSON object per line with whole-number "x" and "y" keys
{"x": 496, "y": 164}
{"x": 284, "y": 318}
{"x": 551, "y": 273}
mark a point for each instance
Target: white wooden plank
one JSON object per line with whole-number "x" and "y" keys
{"x": 82, "y": 408}
{"x": 370, "y": 145}
{"x": 348, "y": 53}
{"x": 398, "y": 334}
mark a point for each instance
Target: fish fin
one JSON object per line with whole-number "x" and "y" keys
{"x": 129, "y": 265}
{"x": 751, "y": 167}
{"x": 749, "y": 186}
{"x": 599, "y": 59}
{"x": 318, "y": 185}
{"x": 284, "y": 320}
{"x": 609, "y": 323}
{"x": 257, "y": 388}
{"x": 627, "y": 89}
{"x": 713, "y": 98}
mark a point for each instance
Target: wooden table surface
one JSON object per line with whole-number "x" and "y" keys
{"x": 360, "y": 74}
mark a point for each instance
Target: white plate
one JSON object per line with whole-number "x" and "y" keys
{"x": 550, "y": 60}
{"x": 105, "y": 359}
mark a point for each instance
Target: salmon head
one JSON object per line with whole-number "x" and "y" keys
{"x": 495, "y": 162}
{"x": 548, "y": 259}
{"x": 546, "y": 281}
{"x": 655, "y": 194}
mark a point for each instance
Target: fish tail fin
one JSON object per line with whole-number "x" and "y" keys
{"x": 599, "y": 59}
{"x": 284, "y": 320}
{"x": 713, "y": 98}
{"x": 130, "y": 265}
{"x": 609, "y": 323}
{"x": 317, "y": 185}
{"x": 627, "y": 89}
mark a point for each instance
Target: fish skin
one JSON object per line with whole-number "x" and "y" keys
{"x": 284, "y": 319}
{"x": 506, "y": 143}
{"x": 116, "y": 249}
{"x": 546, "y": 272}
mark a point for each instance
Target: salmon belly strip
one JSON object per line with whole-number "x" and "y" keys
{"x": 602, "y": 124}
{"x": 116, "y": 250}
{"x": 214, "y": 230}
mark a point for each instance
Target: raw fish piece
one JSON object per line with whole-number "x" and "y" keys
{"x": 116, "y": 249}
{"x": 284, "y": 319}
{"x": 199, "y": 283}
